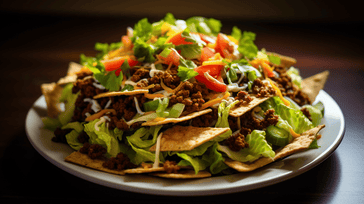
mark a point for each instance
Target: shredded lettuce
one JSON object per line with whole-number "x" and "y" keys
{"x": 247, "y": 46}
{"x": 72, "y": 137}
{"x": 295, "y": 76}
{"x": 104, "y": 137}
{"x": 258, "y": 147}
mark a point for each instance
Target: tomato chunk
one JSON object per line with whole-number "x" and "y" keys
{"x": 206, "y": 54}
{"x": 215, "y": 72}
{"x": 172, "y": 57}
{"x": 116, "y": 62}
{"x": 177, "y": 39}
{"x": 223, "y": 46}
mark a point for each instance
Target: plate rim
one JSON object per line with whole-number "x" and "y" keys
{"x": 212, "y": 190}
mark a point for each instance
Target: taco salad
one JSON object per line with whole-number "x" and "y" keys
{"x": 179, "y": 99}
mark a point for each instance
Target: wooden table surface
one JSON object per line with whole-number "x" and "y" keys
{"x": 37, "y": 49}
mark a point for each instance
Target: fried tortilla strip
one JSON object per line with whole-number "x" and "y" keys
{"x": 121, "y": 93}
{"x": 285, "y": 60}
{"x": 142, "y": 170}
{"x": 298, "y": 144}
{"x": 86, "y": 161}
{"x": 184, "y": 174}
{"x": 73, "y": 69}
{"x": 183, "y": 138}
{"x": 313, "y": 84}
{"x": 52, "y": 92}
{"x": 176, "y": 120}
{"x": 239, "y": 111}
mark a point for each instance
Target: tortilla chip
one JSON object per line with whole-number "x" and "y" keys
{"x": 313, "y": 84}
{"x": 184, "y": 174}
{"x": 285, "y": 60}
{"x": 142, "y": 170}
{"x": 73, "y": 69}
{"x": 121, "y": 93}
{"x": 298, "y": 144}
{"x": 86, "y": 161}
{"x": 52, "y": 92}
{"x": 183, "y": 138}
{"x": 239, "y": 111}
{"x": 176, "y": 120}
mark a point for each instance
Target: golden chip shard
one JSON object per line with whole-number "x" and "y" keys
{"x": 240, "y": 110}
{"x": 285, "y": 60}
{"x": 298, "y": 144}
{"x": 313, "y": 84}
{"x": 52, "y": 92}
{"x": 121, "y": 93}
{"x": 176, "y": 120}
{"x": 86, "y": 161}
{"x": 184, "y": 138}
{"x": 184, "y": 174}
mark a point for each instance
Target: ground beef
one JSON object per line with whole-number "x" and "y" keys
{"x": 205, "y": 120}
{"x": 236, "y": 142}
{"x": 262, "y": 90}
{"x": 139, "y": 74}
{"x": 306, "y": 113}
{"x": 83, "y": 137}
{"x": 84, "y": 74}
{"x": 243, "y": 97}
{"x": 120, "y": 162}
{"x": 94, "y": 151}
{"x": 287, "y": 87}
{"x": 253, "y": 123}
{"x": 171, "y": 167}
{"x": 87, "y": 90}
{"x": 60, "y": 135}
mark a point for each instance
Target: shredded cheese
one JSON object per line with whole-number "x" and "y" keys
{"x": 137, "y": 106}
{"x": 99, "y": 114}
{"x": 157, "y": 151}
{"x": 214, "y": 101}
{"x": 285, "y": 101}
{"x": 98, "y": 123}
{"x": 293, "y": 133}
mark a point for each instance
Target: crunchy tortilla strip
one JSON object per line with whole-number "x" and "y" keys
{"x": 313, "y": 84}
{"x": 239, "y": 111}
{"x": 85, "y": 160}
{"x": 176, "y": 120}
{"x": 121, "y": 93}
{"x": 183, "y": 138}
{"x": 52, "y": 92}
{"x": 285, "y": 60}
{"x": 185, "y": 174}
{"x": 298, "y": 144}
{"x": 142, "y": 170}
{"x": 71, "y": 77}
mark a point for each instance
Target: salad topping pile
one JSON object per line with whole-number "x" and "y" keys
{"x": 176, "y": 96}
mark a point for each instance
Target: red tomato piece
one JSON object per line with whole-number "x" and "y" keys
{"x": 177, "y": 39}
{"x": 173, "y": 57}
{"x": 127, "y": 42}
{"x": 206, "y": 53}
{"x": 116, "y": 62}
{"x": 215, "y": 72}
{"x": 223, "y": 45}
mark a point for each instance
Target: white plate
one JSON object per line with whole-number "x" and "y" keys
{"x": 273, "y": 173}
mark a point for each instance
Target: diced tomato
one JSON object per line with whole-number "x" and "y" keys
{"x": 127, "y": 42}
{"x": 116, "y": 62}
{"x": 215, "y": 72}
{"x": 177, "y": 39}
{"x": 207, "y": 39}
{"x": 206, "y": 53}
{"x": 173, "y": 57}
{"x": 223, "y": 46}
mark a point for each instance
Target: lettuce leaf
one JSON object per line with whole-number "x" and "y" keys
{"x": 294, "y": 117}
{"x": 104, "y": 137}
{"x": 204, "y": 25}
{"x": 66, "y": 116}
{"x": 215, "y": 160}
{"x": 258, "y": 147}
{"x": 316, "y": 114}
{"x": 295, "y": 76}
{"x": 108, "y": 79}
{"x": 247, "y": 46}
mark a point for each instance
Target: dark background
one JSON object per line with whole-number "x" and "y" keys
{"x": 39, "y": 38}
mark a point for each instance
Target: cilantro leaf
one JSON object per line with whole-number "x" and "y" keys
{"x": 247, "y": 46}
{"x": 143, "y": 51}
{"x": 169, "y": 18}
{"x": 142, "y": 29}
{"x": 108, "y": 79}
{"x": 186, "y": 73}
